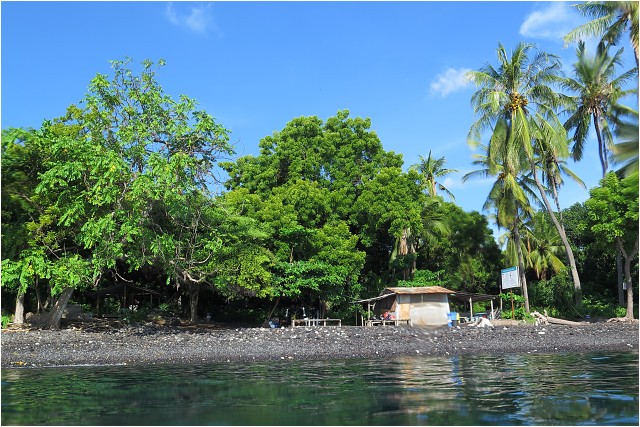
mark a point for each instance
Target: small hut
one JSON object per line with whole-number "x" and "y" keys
{"x": 129, "y": 296}
{"x": 420, "y": 306}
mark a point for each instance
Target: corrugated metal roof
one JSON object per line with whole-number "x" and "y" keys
{"x": 465, "y": 296}
{"x": 379, "y": 297}
{"x": 419, "y": 290}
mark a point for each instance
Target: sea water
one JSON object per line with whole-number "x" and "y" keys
{"x": 524, "y": 389}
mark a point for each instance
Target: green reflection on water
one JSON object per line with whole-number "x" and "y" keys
{"x": 510, "y": 390}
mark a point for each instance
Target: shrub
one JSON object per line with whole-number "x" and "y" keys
{"x": 602, "y": 307}
{"x": 6, "y": 319}
{"x": 554, "y": 295}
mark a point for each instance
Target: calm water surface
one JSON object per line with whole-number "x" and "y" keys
{"x": 561, "y": 389}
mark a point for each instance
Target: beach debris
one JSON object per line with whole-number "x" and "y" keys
{"x": 545, "y": 319}
{"x": 619, "y": 319}
{"x": 482, "y": 322}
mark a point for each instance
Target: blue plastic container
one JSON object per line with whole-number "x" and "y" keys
{"x": 453, "y": 319}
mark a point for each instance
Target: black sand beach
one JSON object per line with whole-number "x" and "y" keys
{"x": 152, "y": 344}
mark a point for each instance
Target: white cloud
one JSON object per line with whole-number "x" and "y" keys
{"x": 450, "y": 81}
{"x": 551, "y": 23}
{"x": 199, "y": 18}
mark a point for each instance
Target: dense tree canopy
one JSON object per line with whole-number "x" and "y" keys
{"x": 118, "y": 191}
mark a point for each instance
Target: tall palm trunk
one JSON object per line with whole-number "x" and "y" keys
{"x": 602, "y": 149}
{"x": 563, "y": 236}
{"x": 523, "y": 278}
{"x": 406, "y": 246}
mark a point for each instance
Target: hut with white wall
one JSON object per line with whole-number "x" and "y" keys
{"x": 418, "y": 306}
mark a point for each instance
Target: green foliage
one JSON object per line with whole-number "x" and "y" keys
{"x": 120, "y": 185}
{"x": 308, "y": 189}
{"x": 598, "y": 307}
{"x": 6, "y": 319}
{"x": 518, "y": 307}
{"x": 554, "y": 295}
{"x": 468, "y": 252}
{"x": 134, "y": 317}
{"x": 425, "y": 278}
{"x": 614, "y": 210}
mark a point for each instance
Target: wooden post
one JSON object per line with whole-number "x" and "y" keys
{"x": 470, "y": 308}
{"x": 492, "y": 316}
{"x": 513, "y": 313}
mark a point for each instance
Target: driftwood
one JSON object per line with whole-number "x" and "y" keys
{"x": 545, "y": 319}
{"x": 619, "y": 319}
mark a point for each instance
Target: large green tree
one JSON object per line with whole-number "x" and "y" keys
{"x": 303, "y": 188}
{"x": 128, "y": 152}
{"x": 613, "y": 209}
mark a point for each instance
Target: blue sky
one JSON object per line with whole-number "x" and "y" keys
{"x": 256, "y": 65}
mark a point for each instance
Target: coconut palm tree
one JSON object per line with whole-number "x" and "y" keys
{"x": 626, "y": 150}
{"x": 433, "y": 228}
{"x": 516, "y": 102}
{"x": 509, "y": 199}
{"x": 430, "y": 170}
{"x": 544, "y": 246}
{"x": 610, "y": 20}
{"x": 553, "y": 167}
{"x": 597, "y": 91}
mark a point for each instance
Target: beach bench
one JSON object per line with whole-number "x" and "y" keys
{"x": 316, "y": 322}
{"x": 393, "y": 322}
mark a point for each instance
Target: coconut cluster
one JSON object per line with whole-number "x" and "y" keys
{"x": 517, "y": 101}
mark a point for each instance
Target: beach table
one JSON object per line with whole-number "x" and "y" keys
{"x": 316, "y": 322}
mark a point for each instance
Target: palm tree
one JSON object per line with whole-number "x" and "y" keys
{"x": 433, "y": 228}
{"x": 626, "y": 150}
{"x": 518, "y": 104}
{"x": 597, "y": 92}
{"x": 431, "y": 169}
{"x": 610, "y": 19}
{"x": 544, "y": 247}
{"x": 509, "y": 199}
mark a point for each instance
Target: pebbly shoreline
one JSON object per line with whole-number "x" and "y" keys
{"x": 153, "y": 344}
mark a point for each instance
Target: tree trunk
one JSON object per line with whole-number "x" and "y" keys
{"x": 18, "y": 316}
{"x": 628, "y": 259}
{"x": 577, "y": 288}
{"x": 265, "y": 324}
{"x": 620, "y": 271}
{"x": 52, "y": 319}
{"x": 523, "y": 278}
{"x": 194, "y": 293}
{"x": 38, "y": 297}
{"x": 602, "y": 148}
{"x": 407, "y": 246}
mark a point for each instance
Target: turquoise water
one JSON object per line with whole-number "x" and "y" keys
{"x": 560, "y": 389}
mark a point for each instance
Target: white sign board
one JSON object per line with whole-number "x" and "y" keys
{"x": 510, "y": 278}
